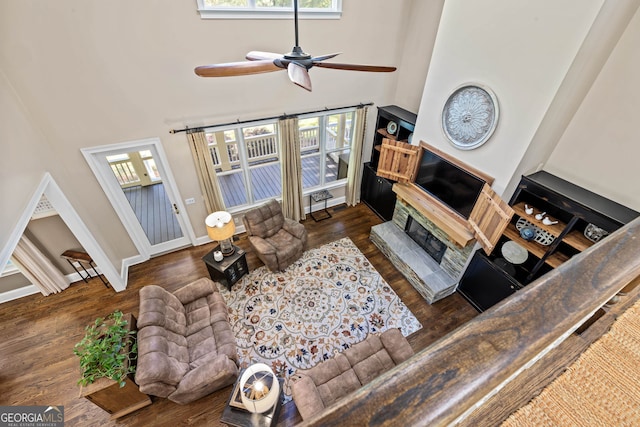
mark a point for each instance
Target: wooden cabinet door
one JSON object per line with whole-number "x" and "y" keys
{"x": 399, "y": 161}
{"x": 484, "y": 284}
{"x": 489, "y": 218}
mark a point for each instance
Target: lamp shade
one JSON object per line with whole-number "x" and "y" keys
{"x": 260, "y": 389}
{"x": 220, "y": 225}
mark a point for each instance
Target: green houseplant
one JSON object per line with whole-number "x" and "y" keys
{"x": 108, "y": 350}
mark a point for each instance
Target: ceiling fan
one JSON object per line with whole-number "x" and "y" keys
{"x": 297, "y": 63}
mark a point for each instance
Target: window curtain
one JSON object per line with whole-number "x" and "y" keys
{"x": 38, "y": 268}
{"x": 206, "y": 171}
{"x": 291, "y": 166}
{"x": 354, "y": 172}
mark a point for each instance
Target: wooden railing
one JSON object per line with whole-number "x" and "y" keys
{"x": 458, "y": 378}
{"x": 261, "y": 146}
{"x": 309, "y": 138}
{"x": 265, "y": 146}
{"x": 125, "y": 172}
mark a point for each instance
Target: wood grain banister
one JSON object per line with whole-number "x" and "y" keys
{"x": 458, "y": 372}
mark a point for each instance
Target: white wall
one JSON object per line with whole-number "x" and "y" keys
{"x": 419, "y": 30}
{"x": 600, "y": 149}
{"x": 81, "y": 73}
{"x": 522, "y": 51}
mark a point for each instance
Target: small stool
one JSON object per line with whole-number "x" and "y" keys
{"x": 319, "y": 196}
{"x": 83, "y": 258}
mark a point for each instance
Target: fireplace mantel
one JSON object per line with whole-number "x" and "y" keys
{"x": 456, "y": 227}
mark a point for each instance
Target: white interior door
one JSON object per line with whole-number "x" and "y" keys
{"x": 146, "y": 199}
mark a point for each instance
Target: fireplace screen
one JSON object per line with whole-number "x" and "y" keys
{"x": 427, "y": 241}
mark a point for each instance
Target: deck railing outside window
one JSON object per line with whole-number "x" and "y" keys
{"x": 124, "y": 172}
{"x": 309, "y": 138}
{"x": 249, "y": 170}
{"x": 261, "y": 147}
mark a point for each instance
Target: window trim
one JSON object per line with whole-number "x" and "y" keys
{"x": 9, "y": 269}
{"x": 245, "y": 171}
{"x": 253, "y": 12}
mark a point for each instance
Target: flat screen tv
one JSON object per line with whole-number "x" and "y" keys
{"x": 448, "y": 182}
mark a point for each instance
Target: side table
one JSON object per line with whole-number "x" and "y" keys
{"x": 83, "y": 259}
{"x": 320, "y": 196}
{"x": 237, "y": 417}
{"x": 230, "y": 269}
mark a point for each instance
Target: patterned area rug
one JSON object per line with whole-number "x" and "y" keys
{"x": 328, "y": 300}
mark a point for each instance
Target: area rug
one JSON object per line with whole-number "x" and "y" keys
{"x": 328, "y": 300}
{"x": 598, "y": 389}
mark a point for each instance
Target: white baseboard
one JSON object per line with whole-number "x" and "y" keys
{"x": 330, "y": 203}
{"x": 124, "y": 270}
{"x": 33, "y": 289}
{"x": 18, "y": 293}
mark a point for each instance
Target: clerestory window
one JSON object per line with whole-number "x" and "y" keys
{"x": 269, "y": 9}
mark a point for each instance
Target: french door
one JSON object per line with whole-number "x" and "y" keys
{"x": 136, "y": 178}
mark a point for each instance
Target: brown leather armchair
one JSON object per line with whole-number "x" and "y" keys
{"x": 186, "y": 348}
{"x": 278, "y": 241}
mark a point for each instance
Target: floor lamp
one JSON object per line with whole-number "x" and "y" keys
{"x": 220, "y": 227}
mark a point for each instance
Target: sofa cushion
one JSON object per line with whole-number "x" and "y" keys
{"x": 165, "y": 360}
{"x": 266, "y": 220}
{"x": 287, "y": 246}
{"x": 158, "y": 307}
{"x": 344, "y": 382}
{"x": 369, "y": 359}
{"x": 397, "y": 345}
{"x": 200, "y": 288}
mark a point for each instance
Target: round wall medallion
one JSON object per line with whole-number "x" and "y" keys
{"x": 470, "y": 116}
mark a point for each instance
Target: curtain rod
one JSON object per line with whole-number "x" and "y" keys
{"x": 283, "y": 116}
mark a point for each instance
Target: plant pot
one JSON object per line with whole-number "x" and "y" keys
{"x": 108, "y": 395}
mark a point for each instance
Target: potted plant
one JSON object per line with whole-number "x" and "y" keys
{"x": 107, "y": 350}
{"x": 108, "y": 353}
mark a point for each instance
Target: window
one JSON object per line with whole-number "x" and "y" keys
{"x": 9, "y": 269}
{"x": 325, "y": 143}
{"x": 247, "y": 158}
{"x": 247, "y": 163}
{"x": 135, "y": 168}
{"x": 269, "y": 9}
{"x": 150, "y": 165}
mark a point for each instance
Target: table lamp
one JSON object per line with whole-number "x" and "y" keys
{"x": 220, "y": 227}
{"x": 260, "y": 389}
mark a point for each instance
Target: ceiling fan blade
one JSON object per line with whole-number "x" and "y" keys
{"x": 299, "y": 75}
{"x": 237, "y": 68}
{"x": 324, "y": 57}
{"x": 355, "y": 67}
{"x": 255, "y": 55}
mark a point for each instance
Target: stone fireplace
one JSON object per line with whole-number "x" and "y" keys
{"x": 435, "y": 277}
{"x": 425, "y": 239}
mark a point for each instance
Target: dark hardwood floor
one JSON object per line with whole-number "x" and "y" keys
{"x": 37, "y": 333}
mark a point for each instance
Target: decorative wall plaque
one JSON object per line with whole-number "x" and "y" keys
{"x": 470, "y": 116}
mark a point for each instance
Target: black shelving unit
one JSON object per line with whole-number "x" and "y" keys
{"x": 489, "y": 279}
{"x": 376, "y": 191}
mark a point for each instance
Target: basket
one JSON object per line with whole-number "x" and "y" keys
{"x": 542, "y": 236}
